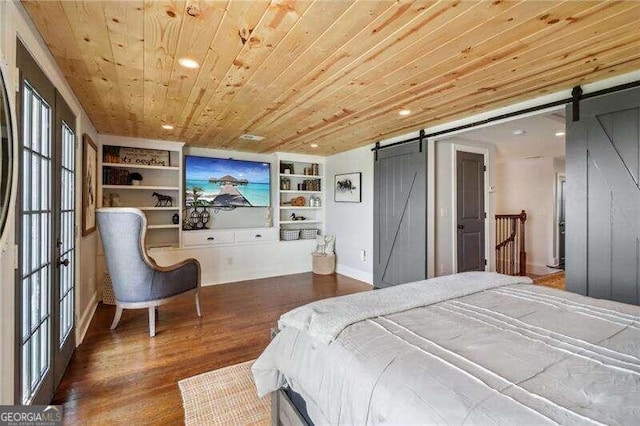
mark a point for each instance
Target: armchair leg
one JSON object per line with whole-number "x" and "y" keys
{"x": 152, "y": 321}
{"x": 198, "y": 303}
{"x": 116, "y": 318}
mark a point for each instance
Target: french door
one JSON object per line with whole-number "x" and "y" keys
{"x": 45, "y": 234}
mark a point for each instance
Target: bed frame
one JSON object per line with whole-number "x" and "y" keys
{"x": 283, "y": 411}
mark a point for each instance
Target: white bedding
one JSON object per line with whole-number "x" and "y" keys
{"x": 512, "y": 354}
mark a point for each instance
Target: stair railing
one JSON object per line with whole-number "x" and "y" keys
{"x": 511, "y": 256}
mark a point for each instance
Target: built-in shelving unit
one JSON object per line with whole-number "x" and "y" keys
{"x": 300, "y": 176}
{"x": 164, "y": 178}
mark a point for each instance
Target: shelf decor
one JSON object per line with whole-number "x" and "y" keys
{"x": 89, "y": 184}
{"x": 347, "y": 188}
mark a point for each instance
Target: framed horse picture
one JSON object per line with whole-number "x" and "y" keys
{"x": 89, "y": 184}
{"x": 348, "y": 188}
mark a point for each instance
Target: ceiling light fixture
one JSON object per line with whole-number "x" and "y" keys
{"x": 189, "y": 63}
{"x": 167, "y": 127}
{"x": 559, "y": 134}
{"x": 519, "y": 132}
{"x": 313, "y": 145}
{"x": 404, "y": 112}
{"x": 249, "y": 137}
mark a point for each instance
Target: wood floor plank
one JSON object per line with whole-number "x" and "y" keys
{"x": 124, "y": 376}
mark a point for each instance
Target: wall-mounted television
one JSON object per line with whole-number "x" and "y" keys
{"x": 223, "y": 182}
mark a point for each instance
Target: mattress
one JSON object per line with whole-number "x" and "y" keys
{"x": 505, "y": 353}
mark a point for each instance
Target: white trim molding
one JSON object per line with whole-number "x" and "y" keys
{"x": 356, "y": 274}
{"x": 85, "y": 320}
{"x": 455, "y": 148}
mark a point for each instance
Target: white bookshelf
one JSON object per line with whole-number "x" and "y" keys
{"x": 314, "y": 215}
{"x": 167, "y": 180}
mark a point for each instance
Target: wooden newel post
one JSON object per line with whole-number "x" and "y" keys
{"x": 523, "y": 253}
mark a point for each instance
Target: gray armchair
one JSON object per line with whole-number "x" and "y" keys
{"x": 138, "y": 282}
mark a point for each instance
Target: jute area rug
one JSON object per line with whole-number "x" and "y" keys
{"x": 224, "y": 397}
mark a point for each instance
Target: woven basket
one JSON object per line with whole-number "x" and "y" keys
{"x": 289, "y": 234}
{"x": 323, "y": 264}
{"x": 308, "y": 234}
{"x": 107, "y": 290}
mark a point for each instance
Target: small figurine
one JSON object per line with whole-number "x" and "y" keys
{"x": 163, "y": 200}
{"x": 294, "y": 217}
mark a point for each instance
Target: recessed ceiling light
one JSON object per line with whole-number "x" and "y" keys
{"x": 249, "y": 137}
{"x": 558, "y": 134}
{"x": 313, "y": 145}
{"x": 167, "y": 127}
{"x": 519, "y": 132}
{"x": 404, "y": 112}
{"x": 188, "y": 63}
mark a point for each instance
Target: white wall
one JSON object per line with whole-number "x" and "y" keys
{"x": 445, "y": 191}
{"x": 14, "y": 22}
{"x": 530, "y": 185}
{"x": 352, "y": 223}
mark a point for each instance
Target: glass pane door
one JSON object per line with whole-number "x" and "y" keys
{"x": 45, "y": 299}
{"x": 36, "y": 257}
{"x": 66, "y": 241}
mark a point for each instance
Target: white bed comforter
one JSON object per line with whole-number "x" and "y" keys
{"x": 481, "y": 351}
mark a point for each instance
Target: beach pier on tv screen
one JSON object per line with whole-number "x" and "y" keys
{"x": 223, "y": 182}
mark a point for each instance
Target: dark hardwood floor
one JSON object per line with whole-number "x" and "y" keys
{"x": 124, "y": 376}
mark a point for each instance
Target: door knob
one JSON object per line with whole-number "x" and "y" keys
{"x": 63, "y": 262}
{"x": 460, "y": 226}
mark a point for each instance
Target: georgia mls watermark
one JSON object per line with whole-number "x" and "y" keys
{"x": 30, "y": 415}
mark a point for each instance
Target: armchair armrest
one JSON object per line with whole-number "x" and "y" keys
{"x": 175, "y": 279}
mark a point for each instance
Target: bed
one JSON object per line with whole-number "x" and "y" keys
{"x": 473, "y": 348}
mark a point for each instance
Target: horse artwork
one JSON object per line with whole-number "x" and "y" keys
{"x": 163, "y": 200}
{"x": 347, "y": 188}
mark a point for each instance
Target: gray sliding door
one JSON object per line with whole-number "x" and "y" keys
{"x": 603, "y": 197}
{"x": 400, "y": 215}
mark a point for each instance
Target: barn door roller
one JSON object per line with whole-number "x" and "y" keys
{"x": 576, "y": 95}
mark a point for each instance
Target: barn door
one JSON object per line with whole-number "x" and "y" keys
{"x": 400, "y": 216}
{"x": 603, "y": 197}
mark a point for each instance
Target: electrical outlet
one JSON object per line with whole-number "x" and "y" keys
{"x": 363, "y": 255}
{"x": 229, "y": 260}
{"x": 442, "y": 269}
{"x": 444, "y": 212}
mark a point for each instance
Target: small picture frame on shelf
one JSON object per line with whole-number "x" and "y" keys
{"x": 347, "y": 188}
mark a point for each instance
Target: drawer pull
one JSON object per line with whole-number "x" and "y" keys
{"x": 210, "y": 239}
{"x": 258, "y": 236}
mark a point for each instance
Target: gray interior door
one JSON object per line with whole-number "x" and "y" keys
{"x": 603, "y": 197}
{"x": 470, "y": 211}
{"x": 400, "y": 216}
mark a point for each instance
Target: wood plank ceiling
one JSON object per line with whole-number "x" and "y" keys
{"x": 331, "y": 73}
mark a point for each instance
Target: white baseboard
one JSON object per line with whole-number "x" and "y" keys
{"x": 85, "y": 319}
{"x": 355, "y": 273}
{"x": 540, "y": 269}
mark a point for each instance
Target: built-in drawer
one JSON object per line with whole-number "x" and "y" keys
{"x": 207, "y": 238}
{"x": 258, "y": 234}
